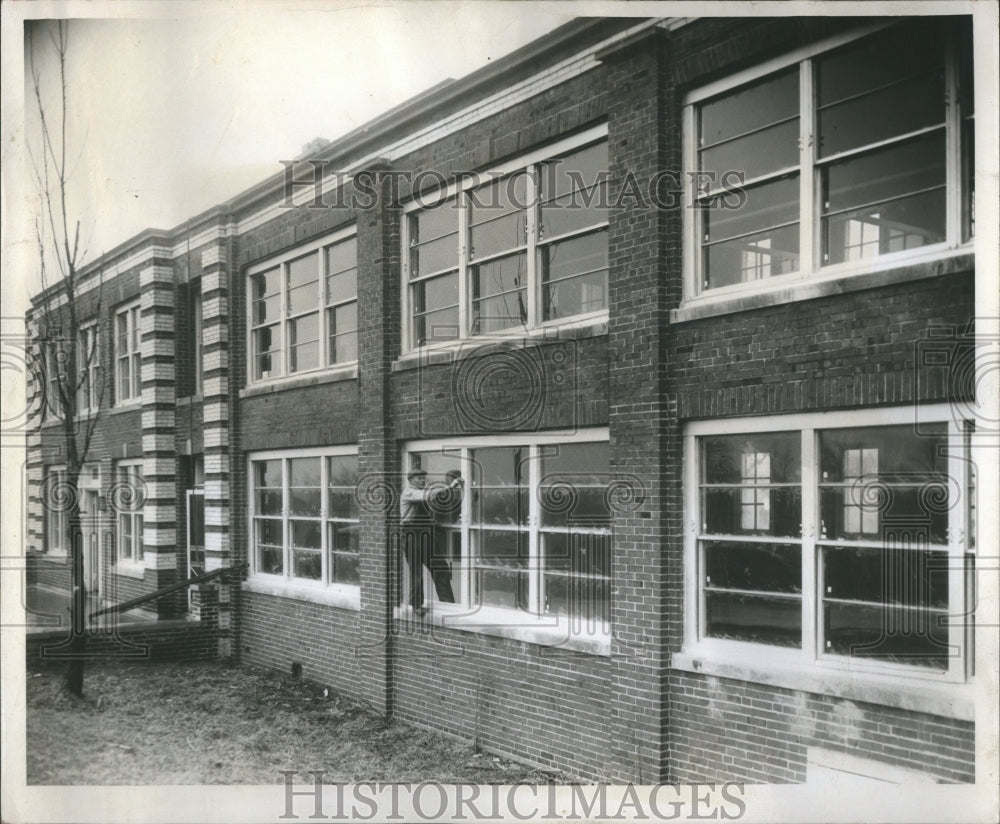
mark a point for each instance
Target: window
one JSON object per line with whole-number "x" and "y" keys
{"x": 129, "y": 499}
{"x": 57, "y": 516}
{"x": 850, "y": 154}
{"x": 838, "y": 538}
{"x": 304, "y": 516}
{"x": 528, "y": 539}
{"x": 55, "y": 374}
{"x": 524, "y": 248}
{"x": 88, "y": 357}
{"x": 197, "y": 367}
{"x": 304, "y": 309}
{"x": 128, "y": 357}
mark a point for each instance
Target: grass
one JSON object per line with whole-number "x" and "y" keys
{"x": 220, "y": 723}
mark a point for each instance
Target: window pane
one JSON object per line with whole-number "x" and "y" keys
{"x": 304, "y": 270}
{"x": 303, "y": 298}
{"x": 342, "y": 470}
{"x": 507, "y": 548}
{"x": 305, "y": 534}
{"x": 307, "y": 564}
{"x": 573, "y": 212}
{"x": 499, "y": 312}
{"x": 905, "y": 636}
{"x": 767, "y": 205}
{"x": 754, "y": 510}
{"x": 884, "y": 575}
{"x": 906, "y": 223}
{"x": 267, "y": 474}
{"x": 342, "y": 286}
{"x": 268, "y": 502}
{"x": 268, "y": 540}
{"x": 304, "y": 356}
{"x": 499, "y": 275}
{"x": 585, "y": 598}
{"x": 433, "y": 239}
{"x": 341, "y": 256}
{"x": 581, "y": 170}
{"x": 870, "y": 509}
{"x": 903, "y": 455}
{"x": 879, "y": 59}
{"x": 762, "y": 567}
{"x": 575, "y": 295}
{"x": 507, "y": 589}
{"x": 500, "y": 505}
{"x": 754, "y": 618}
{"x": 344, "y": 348}
{"x": 500, "y": 466}
{"x": 911, "y": 105}
{"x": 569, "y": 503}
{"x": 577, "y": 553}
{"x": 725, "y": 461}
{"x": 760, "y": 153}
{"x": 345, "y": 568}
{"x": 884, "y": 174}
{"x": 435, "y": 293}
{"x": 342, "y": 537}
{"x": 497, "y": 232}
{"x": 345, "y": 318}
{"x": 436, "y": 326}
{"x": 303, "y": 330}
{"x": 750, "y": 107}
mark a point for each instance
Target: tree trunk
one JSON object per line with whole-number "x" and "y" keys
{"x": 78, "y": 605}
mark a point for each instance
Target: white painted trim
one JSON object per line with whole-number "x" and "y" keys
{"x": 339, "y": 596}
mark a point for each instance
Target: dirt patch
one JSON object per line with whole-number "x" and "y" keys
{"x": 218, "y": 723}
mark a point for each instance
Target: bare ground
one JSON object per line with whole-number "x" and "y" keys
{"x": 219, "y": 723}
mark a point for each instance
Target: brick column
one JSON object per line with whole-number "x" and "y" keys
{"x": 159, "y": 447}
{"x": 378, "y": 345}
{"x": 215, "y": 354}
{"x": 639, "y": 422}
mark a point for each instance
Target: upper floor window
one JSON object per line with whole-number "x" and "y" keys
{"x": 88, "y": 357}
{"x": 849, "y": 152}
{"x": 304, "y": 516}
{"x": 525, "y": 248}
{"x": 304, "y": 309}
{"x": 128, "y": 357}
{"x": 837, "y": 539}
{"x": 197, "y": 367}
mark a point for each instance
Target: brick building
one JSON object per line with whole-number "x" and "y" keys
{"x": 717, "y": 494}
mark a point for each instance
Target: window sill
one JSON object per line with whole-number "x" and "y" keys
{"x": 131, "y": 406}
{"x": 872, "y": 277}
{"x": 546, "y": 632}
{"x": 458, "y": 349}
{"x": 935, "y": 698}
{"x": 343, "y": 373}
{"x": 130, "y": 569}
{"x": 339, "y": 596}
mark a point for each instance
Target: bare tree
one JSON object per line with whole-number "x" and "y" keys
{"x": 69, "y": 358}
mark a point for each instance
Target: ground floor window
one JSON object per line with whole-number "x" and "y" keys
{"x": 528, "y": 535}
{"x": 838, "y": 537}
{"x": 55, "y": 502}
{"x": 128, "y": 500}
{"x": 304, "y": 515}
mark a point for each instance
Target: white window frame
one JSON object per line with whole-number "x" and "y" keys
{"x": 811, "y": 269}
{"x": 56, "y": 519}
{"x": 135, "y": 559}
{"x": 88, "y": 374}
{"x": 809, "y": 657}
{"x": 286, "y": 585}
{"x": 132, "y": 355}
{"x": 533, "y": 624}
{"x": 282, "y": 321}
{"x": 526, "y": 165}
